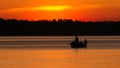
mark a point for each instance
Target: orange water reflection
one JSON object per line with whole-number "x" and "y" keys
{"x": 53, "y": 58}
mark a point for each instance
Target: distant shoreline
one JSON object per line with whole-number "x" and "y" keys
{"x": 13, "y": 27}
{"x": 66, "y": 35}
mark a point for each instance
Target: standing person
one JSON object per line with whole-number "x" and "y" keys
{"x": 76, "y": 39}
{"x": 85, "y": 41}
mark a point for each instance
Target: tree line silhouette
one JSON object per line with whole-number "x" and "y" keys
{"x": 14, "y": 27}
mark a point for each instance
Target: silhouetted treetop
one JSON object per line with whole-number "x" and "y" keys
{"x": 14, "y": 27}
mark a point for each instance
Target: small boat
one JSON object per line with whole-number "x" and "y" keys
{"x": 78, "y": 44}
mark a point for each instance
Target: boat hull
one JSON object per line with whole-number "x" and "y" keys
{"x": 78, "y": 45}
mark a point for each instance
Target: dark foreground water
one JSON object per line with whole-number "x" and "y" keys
{"x": 55, "y": 52}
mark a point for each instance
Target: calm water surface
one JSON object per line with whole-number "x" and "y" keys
{"x": 55, "y": 52}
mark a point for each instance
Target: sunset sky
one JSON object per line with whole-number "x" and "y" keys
{"x": 85, "y": 10}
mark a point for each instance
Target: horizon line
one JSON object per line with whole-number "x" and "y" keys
{"x": 61, "y": 19}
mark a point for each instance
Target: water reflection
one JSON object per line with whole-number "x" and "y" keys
{"x": 55, "y": 52}
{"x": 65, "y": 58}
{"x": 57, "y": 41}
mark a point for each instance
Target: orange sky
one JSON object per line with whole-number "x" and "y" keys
{"x": 85, "y": 10}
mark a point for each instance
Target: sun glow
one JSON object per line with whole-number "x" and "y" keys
{"x": 85, "y": 10}
{"x": 52, "y": 8}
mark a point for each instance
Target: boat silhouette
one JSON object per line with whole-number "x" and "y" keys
{"x": 78, "y": 44}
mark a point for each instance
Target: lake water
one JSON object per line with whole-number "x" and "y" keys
{"x": 55, "y": 52}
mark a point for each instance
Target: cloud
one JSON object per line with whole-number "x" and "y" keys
{"x": 89, "y": 6}
{"x": 41, "y": 8}
{"x": 52, "y": 8}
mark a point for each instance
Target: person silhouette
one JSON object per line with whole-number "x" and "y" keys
{"x": 76, "y": 39}
{"x": 85, "y": 41}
